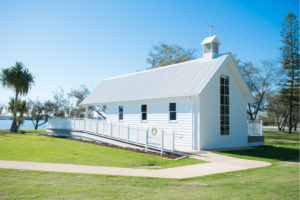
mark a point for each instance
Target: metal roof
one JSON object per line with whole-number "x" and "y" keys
{"x": 211, "y": 39}
{"x": 182, "y": 79}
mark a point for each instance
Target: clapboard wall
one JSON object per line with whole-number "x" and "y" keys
{"x": 210, "y": 136}
{"x": 158, "y": 116}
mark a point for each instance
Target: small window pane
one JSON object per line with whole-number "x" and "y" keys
{"x": 144, "y": 116}
{"x": 222, "y": 110}
{"x": 222, "y": 120}
{"x": 172, "y": 107}
{"x": 227, "y": 131}
{"x": 226, "y": 108}
{"x": 227, "y": 81}
{"x": 226, "y": 100}
{"x": 120, "y": 116}
{"x": 144, "y": 108}
{"x": 222, "y": 130}
{"x": 222, "y": 80}
{"x": 226, "y": 120}
{"x": 222, "y": 89}
{"x": 226, "y": 90}
{"x": 172, "y": 115}
{"x": 120, "y": 109}
{"x": 222, "y": 100}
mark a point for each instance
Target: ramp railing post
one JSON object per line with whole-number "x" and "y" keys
{"x": 84, "y": 124}
{"x": 127, "y": 132}
{"x": 111, "y": 129}
{"x": 162, "y": 143}
{"x": 173, "y": 141}
{"x": 119, "y": 131}
{"x": 97, "y": 126}
{"x": 90, "y": 120}
{"x": 146, "y": 142}
{"x": 137, "y": 135}
{"x": 103, "y": 128}
{"x": 262, "y": 128}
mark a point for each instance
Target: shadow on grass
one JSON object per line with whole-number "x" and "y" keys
{"x": 274, "y": 153}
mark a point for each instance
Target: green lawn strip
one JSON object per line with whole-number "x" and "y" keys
{"x": 286, "y": 147}
{"x": 278, "y": 181}
{"x": 274, "y": 182}
{"x": 24, "y": 131}
{"x": 36, "y": 148}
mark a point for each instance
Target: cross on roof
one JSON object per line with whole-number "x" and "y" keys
{"x": 210, "y": 28}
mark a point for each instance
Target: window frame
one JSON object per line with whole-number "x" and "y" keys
{"x": 121, "y": 113}
{"x": 172, "y": 111}
{"x": 225, "y": 106}
{"x": 144, "y": 120}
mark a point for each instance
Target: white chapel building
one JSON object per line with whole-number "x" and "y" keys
{"x": 204, "y": 101}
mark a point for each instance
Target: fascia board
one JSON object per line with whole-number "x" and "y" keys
{"x": 243, "y": 81}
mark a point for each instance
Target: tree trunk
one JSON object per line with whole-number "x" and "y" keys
{"x": 284, "y": 122}
{"x": 292, "y": 86}
{"x": 36, "y": 123}
{"x": 295, "y": 123}
{"x": 14, "y": 126}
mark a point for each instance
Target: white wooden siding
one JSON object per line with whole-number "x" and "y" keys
{"x": 158, "y": 115}
{"x": 210, "y": 136}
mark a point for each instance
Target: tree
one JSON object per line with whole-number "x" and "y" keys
{"x": 163, "y": 54}
{"x": 279, "y": 109}
{"x": 41, "y": 111}
{"x": 22, "y": 108}
{"x": 261, "y": 79}
{"x": 61, "y": 104}
{"x": 1, "y": 108}
{"x": 20, "y": 80}
{"x": 290, "y": 63}
{"x": 80, "y": 94}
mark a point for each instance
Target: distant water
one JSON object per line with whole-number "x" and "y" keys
{"x": 6, "y": 124}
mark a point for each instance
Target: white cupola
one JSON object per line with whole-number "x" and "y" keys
{"x": 210, "y": 47}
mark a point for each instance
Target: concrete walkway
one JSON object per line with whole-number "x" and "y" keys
{"x": 218, "y": 164}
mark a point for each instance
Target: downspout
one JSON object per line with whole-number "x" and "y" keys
{"x": 192, "y": 121}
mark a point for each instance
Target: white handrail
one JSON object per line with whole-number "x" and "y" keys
{"x": 118, "y": 131}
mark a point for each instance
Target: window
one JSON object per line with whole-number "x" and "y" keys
{"x": 224, "y": 105}
{"x": 172, "y": 110}
{"x": 120, "y": 112}
{"x": 144, "y": 112}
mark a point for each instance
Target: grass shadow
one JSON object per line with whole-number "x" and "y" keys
{"x": 266, "y": 154}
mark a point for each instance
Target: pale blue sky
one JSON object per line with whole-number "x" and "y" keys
{"x": 69, "y": 43}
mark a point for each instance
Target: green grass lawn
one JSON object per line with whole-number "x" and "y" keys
{"x": 278, "y": 181}
{"x": 24, "y": 131}
{"x": 37, "y": 148}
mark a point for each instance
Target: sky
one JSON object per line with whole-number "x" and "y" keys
{"x": 71, "y": 43}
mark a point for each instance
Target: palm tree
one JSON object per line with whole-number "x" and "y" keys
{"x": 20, "y": 80}
{"x": 22, "y": 108}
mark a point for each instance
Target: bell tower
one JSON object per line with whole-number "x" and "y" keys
{"x": 210, "y": 47}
